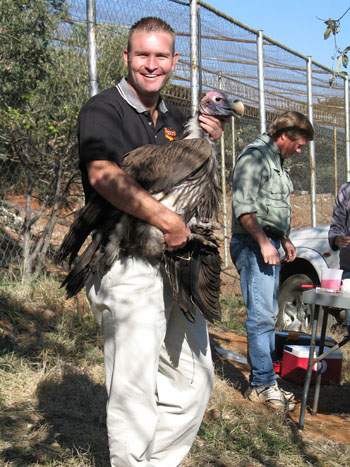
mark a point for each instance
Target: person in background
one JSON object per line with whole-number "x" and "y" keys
{"x": 339, "y": 231}
{"x": 158, "y": 365}
{"x": 261, "y": 220}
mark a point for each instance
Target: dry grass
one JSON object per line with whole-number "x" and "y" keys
{"x": 52, "y": 396}
{"x": 236, "y": 432}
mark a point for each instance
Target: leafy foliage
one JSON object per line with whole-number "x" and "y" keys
{"x": 332, "y": 29}
{"x": 43, "y": 84}
{"x": 27, "y": 28}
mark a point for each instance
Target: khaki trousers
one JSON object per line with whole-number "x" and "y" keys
{"x": 158, "y": 365}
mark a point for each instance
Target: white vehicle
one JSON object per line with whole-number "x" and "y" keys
{"x": 313, "y": 253}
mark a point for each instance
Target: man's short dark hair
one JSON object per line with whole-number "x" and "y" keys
{"x": 151, "y": 24}
{"x": 294, "y": 124}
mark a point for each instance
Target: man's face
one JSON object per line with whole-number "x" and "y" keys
{"x": 289, "y": 147}
{"x": 150, "y": 61}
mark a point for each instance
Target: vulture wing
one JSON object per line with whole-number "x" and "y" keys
{"x": 160, "y": 168}
{"x": 194, "y": 273}
{"x": 156, "y": 168}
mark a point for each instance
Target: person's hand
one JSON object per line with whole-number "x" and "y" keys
{"x": 177, "y": 233}
{"x": 212, "y": 125}
{"x": 342, "y": 241}
{"x": 270, "y": 254}
{"x": 290, "y": 251}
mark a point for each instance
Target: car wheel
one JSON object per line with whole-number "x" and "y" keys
{"x": 293, "y": 314}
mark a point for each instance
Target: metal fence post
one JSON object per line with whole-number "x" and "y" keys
{"x": 233, "y": 131}
{"x": 311, "y": 144}
{"x": 199, "y": 53}
{"x": 91, "y": 39}
{"x": 347, "y": 131}
{"x": 223, "y": 183}
{"x": 335, "y": 152}
{"x": 194, "y": 57}
{"x": 260, "y": 39}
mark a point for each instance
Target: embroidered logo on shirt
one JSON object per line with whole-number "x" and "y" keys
{"x": 170, "y": 134}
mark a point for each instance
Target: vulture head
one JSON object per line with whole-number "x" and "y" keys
{"x": 216, "y": 104}
{"x": 219, "y": 105}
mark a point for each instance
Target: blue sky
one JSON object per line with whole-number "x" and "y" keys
{"x": 293, "y": 24}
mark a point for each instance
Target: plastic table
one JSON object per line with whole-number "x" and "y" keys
{"x": 319, "y": 299}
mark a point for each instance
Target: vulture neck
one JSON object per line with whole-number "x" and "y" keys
{"x": 192, "y": 129}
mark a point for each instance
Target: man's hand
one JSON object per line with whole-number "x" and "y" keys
{"x": 177, "y": 232}
{"x": 212, "y": 125}
{"x": 289, "y": 249}
{"x": 269, "y": 253}
{"x": 342, "y": 241}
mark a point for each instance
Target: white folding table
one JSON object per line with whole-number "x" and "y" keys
{"x": 319, "y": 299}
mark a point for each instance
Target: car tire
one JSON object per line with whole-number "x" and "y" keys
{"x": 293, "y": 315}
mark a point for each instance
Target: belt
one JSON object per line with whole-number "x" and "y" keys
{"x": 274, "y": 233}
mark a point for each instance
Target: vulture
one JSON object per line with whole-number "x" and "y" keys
{"x": 184, "y": 175}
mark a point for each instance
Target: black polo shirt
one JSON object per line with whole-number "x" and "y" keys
{"x": 114, "y": 122}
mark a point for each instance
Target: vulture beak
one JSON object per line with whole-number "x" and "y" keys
{"x": 237, "y": 107}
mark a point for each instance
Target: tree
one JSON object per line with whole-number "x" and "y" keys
{"x": 27, "y": 28}
{"x": 39, "y": 107}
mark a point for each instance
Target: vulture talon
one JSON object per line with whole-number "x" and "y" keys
{"x": 202, "y": 239}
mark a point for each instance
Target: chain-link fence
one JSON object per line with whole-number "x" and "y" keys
{"x": 230, "y": 60}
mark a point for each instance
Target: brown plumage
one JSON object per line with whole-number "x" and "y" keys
{"x": 182, "y": 174}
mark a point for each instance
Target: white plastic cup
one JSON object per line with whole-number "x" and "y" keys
{"x": 331, "y": 278}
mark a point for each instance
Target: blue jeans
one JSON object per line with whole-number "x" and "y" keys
{"x": 259, "y": 283}
{"x": 346, "y": 274}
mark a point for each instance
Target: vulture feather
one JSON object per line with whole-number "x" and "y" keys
{"x": 182, "y": 174}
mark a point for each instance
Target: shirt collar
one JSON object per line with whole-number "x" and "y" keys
{"x": 132, "y": 100}
{"x": 269, "y": 142}
{"x": 272, "y": 146}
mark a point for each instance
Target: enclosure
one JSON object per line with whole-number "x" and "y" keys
{"x": 48, "y": 76}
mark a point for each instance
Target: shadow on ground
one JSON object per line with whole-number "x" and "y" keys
{"x": 68, "y": 419}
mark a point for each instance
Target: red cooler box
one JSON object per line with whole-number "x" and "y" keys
{"x": 295, "y": 360}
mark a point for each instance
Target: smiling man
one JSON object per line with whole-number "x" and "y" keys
{"x": 158, "y": 365}
{"x": 261, "y": 217}
{"x": 150, "y": 59}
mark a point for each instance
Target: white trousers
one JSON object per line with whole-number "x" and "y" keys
{"x": 158, "y": 365}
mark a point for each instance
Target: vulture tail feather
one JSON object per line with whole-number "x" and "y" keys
{"x": 83, "y": 269}
{"x": 89, "y": 218}
{"x": 92, "y": 259}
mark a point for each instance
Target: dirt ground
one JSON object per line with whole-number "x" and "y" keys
{"x": 333, "y": 418}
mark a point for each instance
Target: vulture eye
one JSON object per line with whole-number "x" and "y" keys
{"x": 218, "y": 99}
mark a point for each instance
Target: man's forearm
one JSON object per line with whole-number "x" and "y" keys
{"x": 252, "y": 226}
{"x": 123, "y": 192}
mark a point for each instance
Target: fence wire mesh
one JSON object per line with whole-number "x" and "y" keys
{"x": 229, "y": 60}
